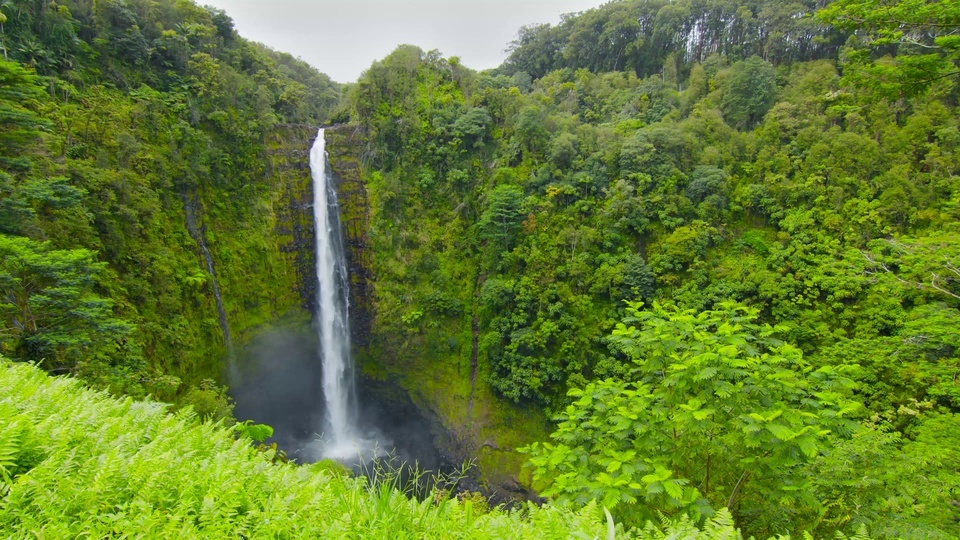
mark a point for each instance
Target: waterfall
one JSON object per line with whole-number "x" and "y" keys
{"x": 340, "y": 440}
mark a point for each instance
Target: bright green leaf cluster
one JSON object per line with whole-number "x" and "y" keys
{"x": 715, "y": 412}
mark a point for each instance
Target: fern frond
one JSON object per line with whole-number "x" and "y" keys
{"x": 862, "y": 533}
{"x": 11, "y": 438}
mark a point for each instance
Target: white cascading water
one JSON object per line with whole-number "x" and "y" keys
{"x": 340, "y": 440}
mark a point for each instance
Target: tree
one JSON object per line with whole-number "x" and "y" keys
{"x": 3, "y": 35}
{"x": 501, "y": 220}
{"x": 48, "y": 308}
{"x": 922, "y": 35}
{"x": 715, "y": 412}
{"x": 537, "y": 50}
{"x": 472, "y": 126}
{"x": 900, "y": 487}
{"x": 19, "y": 125}
{"x": 604, "y": 39}
{"x": 532, "y": 135}
{"x": 930, "y": 263}
{"x": 21, "y": 201}
{"x": 638, "y": 279}
{"x": 751, "y": 90}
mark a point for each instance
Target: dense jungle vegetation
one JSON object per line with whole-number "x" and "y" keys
{"x": 717, "y": 242}
{"x": 77, "y": 463}
{"x": 129, "y": 131}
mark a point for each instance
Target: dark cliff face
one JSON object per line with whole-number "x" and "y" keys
{"x": 289, "y": 158}
{"x": 456, "y": 418}
{"x": 342, "y": 142}
{"x": 288, "y": 148}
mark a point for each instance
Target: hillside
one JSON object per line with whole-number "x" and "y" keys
{"x": 135, "y": 182}
{"x": 798, "y": 213}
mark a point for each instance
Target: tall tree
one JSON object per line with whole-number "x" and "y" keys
{"x": 49, "y": 309}
{"x": 19, "y": 123}
{"x": 751, "y": 90}
{"x": 920, "y": 38}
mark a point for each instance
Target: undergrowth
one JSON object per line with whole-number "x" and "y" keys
{"x": 78, "y": 463}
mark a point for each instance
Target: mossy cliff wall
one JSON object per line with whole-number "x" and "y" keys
{"x": 439, "y": 369}
{"x": 264, "y": 256}
{"x": 288, "y": 150}
{"x": 265, "y": 263}
{"x": 292, "y": 220}
{"x": 341, "y": 144}
{"x": 247, "y": 252}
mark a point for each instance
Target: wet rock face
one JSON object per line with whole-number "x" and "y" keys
{"x": 343, "y": 143}
{"x": 289, "y": 168}
{"x": 388, "y": 406}
{"x": 420, "y": 429}
{"x": 288, "y": 157}
{"x": 279, "y": 384}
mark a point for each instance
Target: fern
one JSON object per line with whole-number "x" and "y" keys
{"x": 861, "y": 533}
{"x": 10, "y": 438}
{"x": 721, "y": 527}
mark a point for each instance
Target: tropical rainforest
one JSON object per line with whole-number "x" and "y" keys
{"x": 684, "y": 268}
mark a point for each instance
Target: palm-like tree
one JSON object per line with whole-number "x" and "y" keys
{"x": 34, "y": 54}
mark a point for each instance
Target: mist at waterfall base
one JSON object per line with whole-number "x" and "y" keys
{"x": 303, "y": 384}
{"x": 280, "y": 383}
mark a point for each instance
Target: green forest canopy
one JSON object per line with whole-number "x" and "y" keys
{"x": 607, "y": 162}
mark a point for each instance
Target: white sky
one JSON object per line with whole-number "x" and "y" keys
{"x": 343, "y": 37}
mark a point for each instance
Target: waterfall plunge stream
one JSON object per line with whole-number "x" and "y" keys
{"x": 341, "y": 439}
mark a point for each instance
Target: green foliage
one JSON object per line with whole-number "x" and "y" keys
{"x": 500, "y": 221}
{"x": 74, "y": 462}
{"x": 50, "y": 308}
{"x": 874, "y": 480}
{"x": 690, "y": 152}
{"x": 131, "y": 132}
{"x": 255, "y": 432}
{"x": 930, "y": 263}
{"x": 472, "y": 126}
{"x": 720, "y": 526}
{"x": 714, "y": 411}
{"x": 210, "y": 402}
{"x": 638, "y": 279}
{"x": 751, "y": 87}
{"x": 905, "y": 47}
{"x": 19, "y": 123}
{"x": 654, "y": 36}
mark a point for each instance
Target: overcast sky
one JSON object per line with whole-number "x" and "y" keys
{"x": 343, "y": 37}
